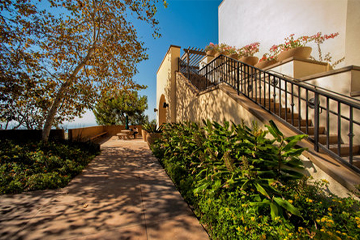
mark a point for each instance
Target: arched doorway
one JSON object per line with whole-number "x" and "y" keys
{"x": 162, "y": 110}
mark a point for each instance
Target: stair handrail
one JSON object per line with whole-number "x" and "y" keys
{"x": 315, "y": 86}
{"x": 323, "y": 91}
{"x": 242, "y": 76}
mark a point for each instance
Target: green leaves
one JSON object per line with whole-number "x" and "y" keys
{"x": 262, "y": 190}
{"x": 114, "y": 106}
{"x": 36, "y": 165}
{"x": 245, "y": 186}
{"x": 293, "y": 140}
{"x": 288, "y": 206}
{"x": 275, "y": 211}
{"x": 225, "y": 157}
{"x": 152, "y": 128}
{"x": 273, "y": 129}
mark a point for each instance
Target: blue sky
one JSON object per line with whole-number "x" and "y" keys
{"x": 184, "y": 23}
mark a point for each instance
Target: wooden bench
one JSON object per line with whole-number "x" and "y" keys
{"x": 96, "y": 136}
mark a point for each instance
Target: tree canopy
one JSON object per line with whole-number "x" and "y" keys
{"x": 59, "y": 57}
{"x": 114, "y": 107}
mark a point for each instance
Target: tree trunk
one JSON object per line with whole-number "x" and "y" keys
{"x": 52, "y": 112}
{"x": 59, "y": 96}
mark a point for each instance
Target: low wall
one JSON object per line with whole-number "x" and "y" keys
{"x": 33, "y": 135}
{"x": 84, "y": 134}
{"x": 299, "y": 68}
{"x": 113, "y": 130}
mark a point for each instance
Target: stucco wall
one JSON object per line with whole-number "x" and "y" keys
{"x": 166, "y": 83}
{"x": 84, "y": 134}
{"x": 299, "y": 68}
{"x": 113, "y": 130}
{"x": 352, "y": 49}
{"x": 214, "y": 104}
{"x": 355, "y": 83}
{"x": 269, "y": 21}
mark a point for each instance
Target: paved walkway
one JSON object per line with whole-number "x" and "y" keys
{"x": 123, "y": 194}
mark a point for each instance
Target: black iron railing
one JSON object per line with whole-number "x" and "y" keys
{"x": 328, "y": 118}
{"x": 191, "y": 73}
{"x": 189, "y": 65}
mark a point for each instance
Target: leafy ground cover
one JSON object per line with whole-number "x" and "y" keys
{"x": 242, "y": 185}
{"x": 38, "y": 165}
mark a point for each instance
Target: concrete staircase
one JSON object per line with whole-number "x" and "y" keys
{"x": 200, "y": 82}
{"x": 293, "y": 119}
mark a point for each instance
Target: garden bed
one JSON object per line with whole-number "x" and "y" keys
{"x": 37, "y": 165}
{"x": 243, "y": 185}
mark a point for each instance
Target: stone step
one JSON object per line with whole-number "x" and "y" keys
{"x": 333, "y": 139}
{"x": 311, "y": 130}
{"x": 345, "y": 149}
{"x": 266, "y": 104}
{"x": 302, "y": 122}
{"x": 263, "y": 100}
{"x": 276, "y": 109}
{"x": 356, "y": 160}
{"x": 289, "y": 115}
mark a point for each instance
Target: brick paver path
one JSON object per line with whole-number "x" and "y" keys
{"x": 124, "y": 193}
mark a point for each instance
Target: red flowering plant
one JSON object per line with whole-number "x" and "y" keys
{"x": 231, "y": 50}
{"x": 319, "y": 39}
{"x": 249, "y": 50}
{"x": 222, "y": 48}
{"x": 268, "y": 57}
{"x": 274, "y": 50}
{"x": 211, "y": 47}
{"x": 290, "y": 42}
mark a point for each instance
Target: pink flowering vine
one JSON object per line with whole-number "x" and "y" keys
{"x": 249, "y": 50}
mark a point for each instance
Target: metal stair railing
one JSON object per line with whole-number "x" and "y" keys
{"x": 351, "y": 99}
{"x": 191, "y": 73}
{"x": 302, "y": 107}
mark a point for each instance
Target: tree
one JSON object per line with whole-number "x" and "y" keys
{"x": 84, "y": 49}
{"x": 21, "y": 97}
{"x": 114, "y": 107}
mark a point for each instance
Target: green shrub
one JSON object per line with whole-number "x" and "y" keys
{"x": 243, "y": 185}
{"x": 46, "y": 181}
{"x": 38, "y": 165}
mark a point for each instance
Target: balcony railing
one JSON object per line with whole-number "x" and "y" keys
{"x": 328, "y": 118}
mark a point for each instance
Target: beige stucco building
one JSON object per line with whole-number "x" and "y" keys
{"x": 269, "y": 21}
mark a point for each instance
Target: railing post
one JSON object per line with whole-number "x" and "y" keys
{"x": 339, "y": 128}
{"x": 238, "y": 77}
{"x": 307, "y": 112}
{"x": 292, "y": 104}
{"x": 316, "y": 123}
{"x": 351, "y": 135}
{"x": 327, "y": 122}
{"x": 206, "y": 75}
